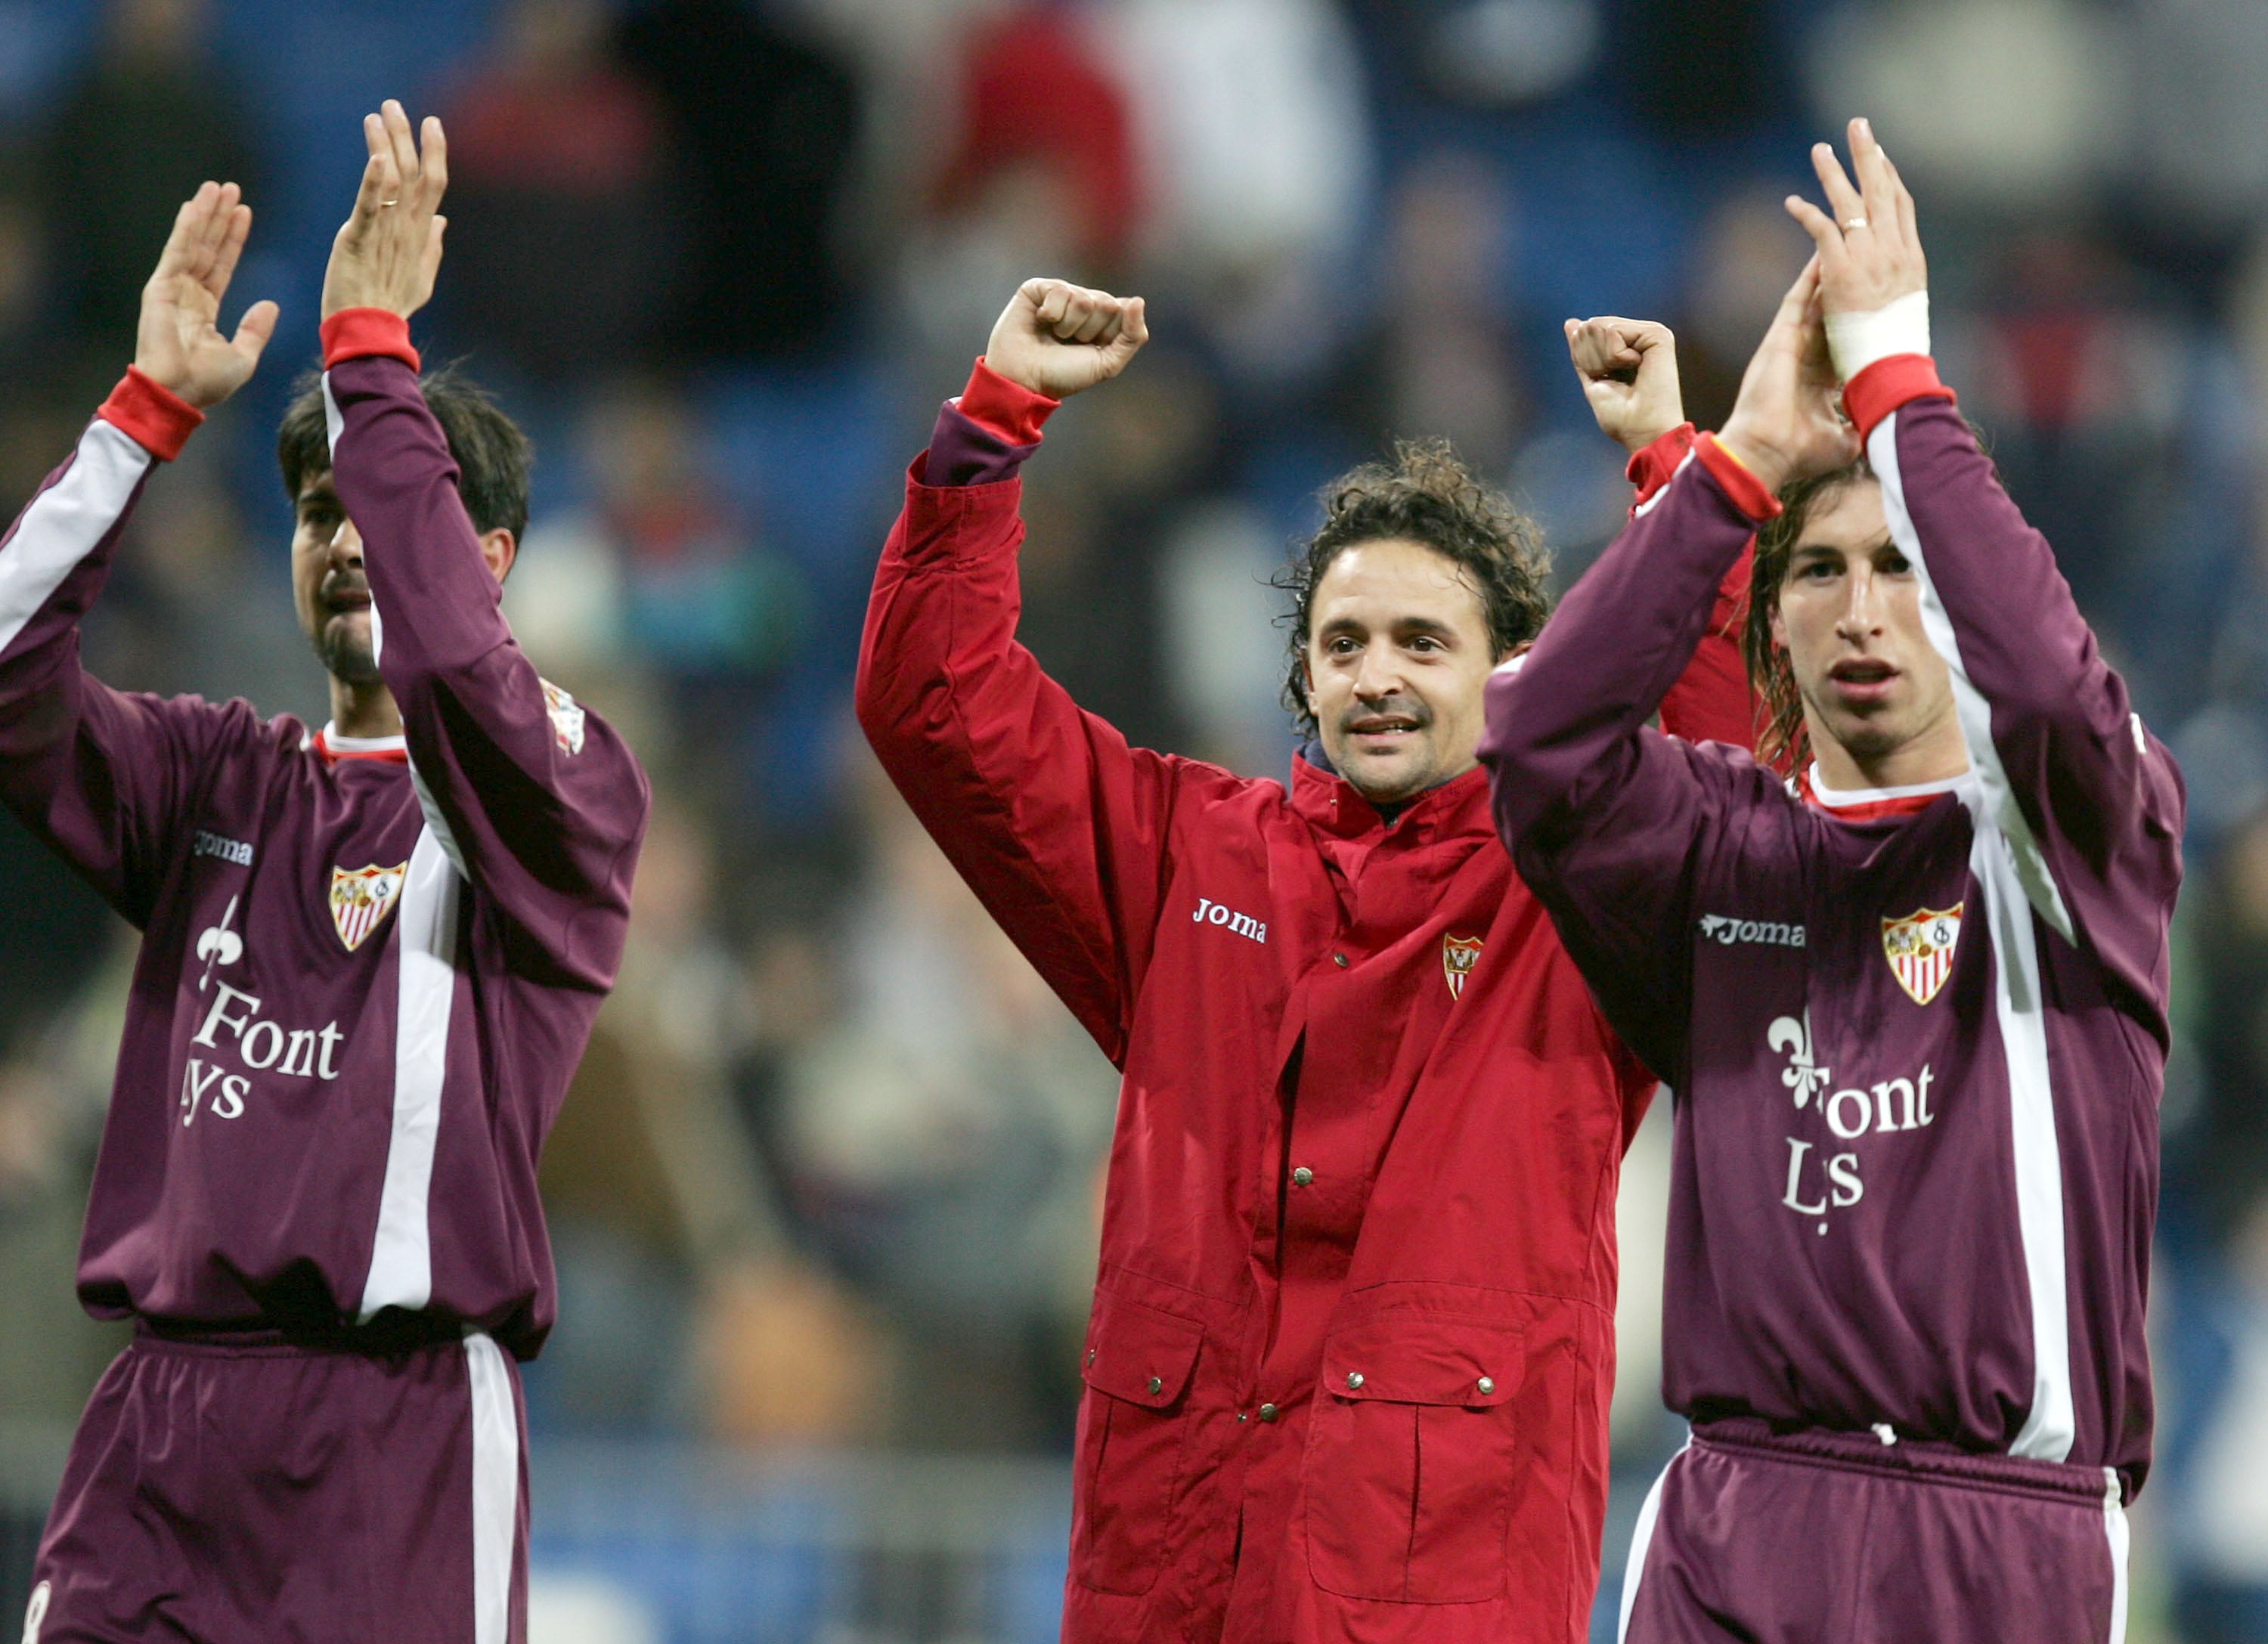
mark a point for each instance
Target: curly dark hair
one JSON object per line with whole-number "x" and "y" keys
{"x": 1426, "y": 495}
{"x": 1782, "y": 742}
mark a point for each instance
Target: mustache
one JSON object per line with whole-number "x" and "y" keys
{"x": 341, "y": 586}
{"x": 1401, "y": 710}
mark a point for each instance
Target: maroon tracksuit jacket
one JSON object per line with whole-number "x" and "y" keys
{"x": 1918, "y": 1037}
{"x": 364, "y": 983}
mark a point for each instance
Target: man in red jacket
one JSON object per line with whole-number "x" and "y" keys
{"x": 1353, "y": 1331}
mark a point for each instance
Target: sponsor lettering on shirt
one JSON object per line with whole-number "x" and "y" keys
{"x": 230, "y": 850}
{"x": 1817, "y": 1187}
{"x": 1722, "y": 928}
{"x": 234, "y": 1029}
{"x": 1212, "y": 913}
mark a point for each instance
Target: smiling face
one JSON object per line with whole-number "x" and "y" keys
{"x": 328, "y": 584}
{"x": 1877, "y": 696}
{"x": 1398, "y": 654}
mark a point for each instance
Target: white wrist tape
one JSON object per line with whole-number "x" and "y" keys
{"x": 1857, "y": 340}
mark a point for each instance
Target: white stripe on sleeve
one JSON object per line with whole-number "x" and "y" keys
{"x": 425, "y": 931}
{"x": 2012, "y": 871}
{"x": 66, "y": 521}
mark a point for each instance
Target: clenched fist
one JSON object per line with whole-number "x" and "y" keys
{"x": 1055, "y": 338}
{"x": 1629, "y": 371}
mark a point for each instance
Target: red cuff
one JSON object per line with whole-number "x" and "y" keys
{"x": 1010, "y": 410}
{"x": 356, "y": 333}
{"x": 1887, "y": 384}
{"x": 152, "y": 415}
{"x": 1653, "y": 466}
{"x": 1739, "y": 480}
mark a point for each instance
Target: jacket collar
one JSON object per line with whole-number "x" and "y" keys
{"x": 1459, "y": 806}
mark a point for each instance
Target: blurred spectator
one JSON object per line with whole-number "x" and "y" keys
{"x": 53, "y": 1089}
{"x": 1933, "y": 76}
{"x": 152, "y": 119}
{"x": 559, "y": 185}
{"x": 1699, "y": 71}
{"x": 1254, "y": 142}
{"x": 680, "y": 1302}
{"x": 1040, "y": 174}
{"x": 1124, "y": 472}
{"x": 2081, "y": 380}
{"x": 945, "y": 1135}
{"x": 1492, "y": 54}
{"x": 2219, "y": 1177}
{"x": 2200, "y": 146}
{"x": 195, "y": 607}
{"x": 1443, "y": 358}
{"x": 659, "y": 567}
{"x": 1745, "y": 255}
{"x": 766, "y": 127}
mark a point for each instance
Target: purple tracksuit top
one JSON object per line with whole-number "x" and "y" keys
{"x": 364, "y": 983}
{"x": 1918, "y": 1051}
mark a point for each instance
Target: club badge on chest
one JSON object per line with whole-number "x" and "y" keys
{"x": 361, "y": 897}
{"x": 1920, "y": 948}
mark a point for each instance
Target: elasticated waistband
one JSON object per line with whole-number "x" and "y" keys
{"x": 389, "y": 1336}
{"x": 1921, "y": 1460}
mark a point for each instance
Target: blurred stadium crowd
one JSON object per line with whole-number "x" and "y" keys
{"x": 830, "y": 1174}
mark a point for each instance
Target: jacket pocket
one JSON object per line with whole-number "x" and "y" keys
{"x": 1133, "y": 1425}
{"x": 1409, "y": 1467}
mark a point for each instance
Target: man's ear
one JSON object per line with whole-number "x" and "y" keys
{"x": 1779, "y": 629}
{"x": 500, "y": 548}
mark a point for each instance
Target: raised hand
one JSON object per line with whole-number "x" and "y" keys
{"x": 1629, "y": 372}
{"x": 1057, "y": 339}
{"x": 1788, "y": 422}
{"x": 177, "y": 343}
{"x": 1869, "y": 251}
{"x": 389, "y": 248}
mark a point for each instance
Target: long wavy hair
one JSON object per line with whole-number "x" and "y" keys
{"x": 1782, "y": 742}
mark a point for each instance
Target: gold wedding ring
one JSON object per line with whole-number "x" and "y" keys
{"x": 1856, "y": 221}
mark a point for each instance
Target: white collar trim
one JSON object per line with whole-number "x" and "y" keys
{"x": 1835, "y": 800}
{"x": 338, "y": 744}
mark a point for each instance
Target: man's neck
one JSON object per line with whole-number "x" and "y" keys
{"x": 1937, "y": 755}
{"x": 364, "y": 710}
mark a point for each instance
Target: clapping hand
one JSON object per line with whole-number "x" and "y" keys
{"x": 389, "y": 248}
{"x": 177, "y": 343}
{"x": 1629, "y": 372}
{"x": 1869, "y": 251}
{"x": 1788, "y": 422}
{"x": 1055, "y": 338}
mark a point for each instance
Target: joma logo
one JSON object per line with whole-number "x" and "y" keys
{"x": 1212, "y": 913}
{"x": 1717, "y": 928}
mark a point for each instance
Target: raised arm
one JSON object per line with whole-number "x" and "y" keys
{"x": 1057, "y": 824}
{"x": 539, "y": 803}
{"x": 2089, "y": 801}
{"x": 104, "y": 777}
{"x": 1628, "y": 370}
{"x": 1606, "y": 818}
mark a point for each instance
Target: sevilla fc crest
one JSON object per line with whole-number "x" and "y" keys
{"x": 566, "y": 717}
{"x": 361, "y": 899}
{"x": 1919, "y": 947}
{"x": 1458, "y": 954}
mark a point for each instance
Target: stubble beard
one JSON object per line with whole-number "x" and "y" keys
{"x": 346, "y": 655}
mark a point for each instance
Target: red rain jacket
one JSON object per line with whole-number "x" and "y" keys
{"x": 1352, "y": 1344}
